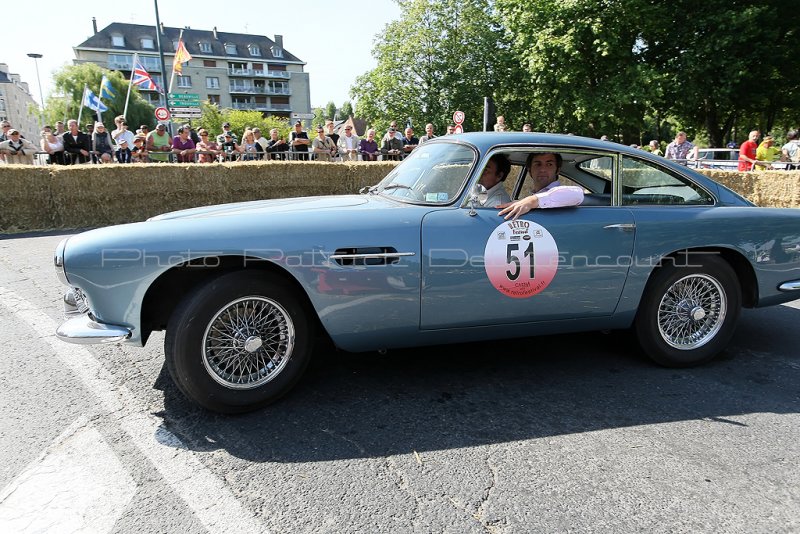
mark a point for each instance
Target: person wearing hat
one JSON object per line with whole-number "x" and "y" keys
{"x": 123, "y": 153}
{"x": 229, "y": 147}
{"x": 226, "y": 129}
{"x": 159, "y": 145}
{"x": 299, "y": 142}
{"x": 767, "y": 151}
{"x": 102, "y": 145}
{"x": 16, "y": 149}
{"x": 139, "y": 150}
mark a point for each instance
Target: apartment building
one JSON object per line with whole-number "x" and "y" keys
{"x": 233, "y": 70}
{"x": 15, "y": 103}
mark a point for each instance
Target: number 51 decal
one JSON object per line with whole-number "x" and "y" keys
{"x": 520, "y": 258}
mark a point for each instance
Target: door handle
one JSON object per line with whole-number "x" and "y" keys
{"x": 625, "y": 227}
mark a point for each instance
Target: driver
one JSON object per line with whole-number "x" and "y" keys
{"x": 547, "y": 191}
{"x": 494, "y": 174}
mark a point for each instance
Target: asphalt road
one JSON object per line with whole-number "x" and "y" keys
{"x": 552, "y": 434}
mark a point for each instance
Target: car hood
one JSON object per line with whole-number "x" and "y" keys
{"x": 278, "y": 205}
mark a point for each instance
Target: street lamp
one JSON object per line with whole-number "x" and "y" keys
{"x": 36, "y": 58}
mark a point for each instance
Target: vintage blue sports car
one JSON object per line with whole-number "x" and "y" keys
{"x": 244, "y": 289}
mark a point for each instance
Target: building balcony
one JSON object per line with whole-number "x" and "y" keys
{"x": 253, "y": 106}
{"x": 258, "y": 90}
{"x": 120, "y": 65}
{"x": 260, "y": 73}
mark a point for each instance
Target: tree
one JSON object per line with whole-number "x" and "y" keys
{"x": 330, "y": 111}
{"x": 585, "y": 73}
{"x": 458, "y": 52}
{"x": 240, "y": 120}
{"x": 70, "y": 82}
{"x": 726, "y": 64}
{"x": 346, "y": 111}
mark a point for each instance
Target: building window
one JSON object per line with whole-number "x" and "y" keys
{"x": 158, "y": 79}
{"x": 117, "y": 40}
{"x": 230, "y": 49}
{"x": 147, "y": 43}
{"x": 214, "y": 99}
{"x": 184, "y": 81}
{"x": 175, "y": 45}
{"x": 277, "y": 51}
{"x": 254, "y": 50}
{"x": 209, "y": 63}
{"x": 120, "y": 61}
{"x": 281, "y": 88}
{"x": 212, "y": 82}
{"x": 150, "y": 63}
{"x": 205, "y": 47}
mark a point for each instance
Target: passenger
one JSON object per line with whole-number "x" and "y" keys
{"x": 547, "y": 191}
{"x": 492, "y": 178}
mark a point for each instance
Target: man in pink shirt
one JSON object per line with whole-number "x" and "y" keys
{"x": 547, "y": 191}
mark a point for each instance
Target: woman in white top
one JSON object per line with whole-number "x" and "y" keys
{"x": 53, "y": 145}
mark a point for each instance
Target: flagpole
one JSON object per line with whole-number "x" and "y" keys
{"x": 172, "y": 76}
{"x": 83, "y": 99}
{"x": 130, "y": 84}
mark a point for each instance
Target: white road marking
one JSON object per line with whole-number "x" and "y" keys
{"x": 209, "y": 498}
{"x": 77, "y": 485}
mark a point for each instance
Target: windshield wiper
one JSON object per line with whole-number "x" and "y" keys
{"x": 396, "y": 186}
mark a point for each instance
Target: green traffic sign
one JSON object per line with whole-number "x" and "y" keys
{"x": 184, "y": 96}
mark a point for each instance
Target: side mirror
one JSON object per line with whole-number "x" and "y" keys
{"x": 478, "y": 196}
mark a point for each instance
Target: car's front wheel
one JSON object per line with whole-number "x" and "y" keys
{"x": 239, "y": 342}
{"x": 689, "y": 311}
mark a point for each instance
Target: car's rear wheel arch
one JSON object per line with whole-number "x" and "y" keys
{"x": 169, "y": 289}
{"x": 737, "y": 261}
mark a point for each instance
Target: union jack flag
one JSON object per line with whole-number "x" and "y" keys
{"x": 142, "y": 78}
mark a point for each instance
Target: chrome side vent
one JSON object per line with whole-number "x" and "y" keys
{"x": 360, "y": 256}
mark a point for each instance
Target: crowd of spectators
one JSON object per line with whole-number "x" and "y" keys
{"x": 67, "y": 144}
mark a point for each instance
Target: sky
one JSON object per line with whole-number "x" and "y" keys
{"x": 335, "y": 38}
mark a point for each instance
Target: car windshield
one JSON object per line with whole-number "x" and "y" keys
{"x": 433, "y": 174}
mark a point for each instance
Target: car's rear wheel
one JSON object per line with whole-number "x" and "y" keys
{"x": 689, "y": 311}
{"x": 239, "y": 342}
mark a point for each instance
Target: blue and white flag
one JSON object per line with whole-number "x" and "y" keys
{"x": 106, "y": 90}
{"x": 91, "y": 101}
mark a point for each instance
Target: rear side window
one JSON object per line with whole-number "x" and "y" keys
{"x": 646, "y": 184}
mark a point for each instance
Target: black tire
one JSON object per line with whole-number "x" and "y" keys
{"x": 689, "y": 310}
{"x": 235, "y": 368}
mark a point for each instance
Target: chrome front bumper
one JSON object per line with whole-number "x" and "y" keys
{"x": 81, "y": 328}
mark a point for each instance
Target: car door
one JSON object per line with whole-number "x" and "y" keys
{"x": 550, "y": 264}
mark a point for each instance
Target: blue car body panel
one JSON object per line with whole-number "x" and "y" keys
{"x": 437, "y": 289}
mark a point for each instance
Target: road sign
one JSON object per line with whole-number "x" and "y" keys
{"x": 189, "y": 100}
{"x": 186, "y": 112}
{"x": 458, "y": 129}
{"x": 302, "y": 115}
{"x": 162, "y": 114}
{"x": 458, "y": 117}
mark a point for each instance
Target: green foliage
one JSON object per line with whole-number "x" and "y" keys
{"x": 240, "y": 120}
{"x": 631, "y": 69}
{"x": 441, "y": 56}
{"x": 346, "y": 111}
{"x": 330, "y": 111}
{"x": 70, "y": 82}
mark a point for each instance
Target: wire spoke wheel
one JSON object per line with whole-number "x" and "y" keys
{"x": 248, "y": 342}
{"x": 689, "y": 310}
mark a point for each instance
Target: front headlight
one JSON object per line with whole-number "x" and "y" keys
{"x": 58, "y": 261}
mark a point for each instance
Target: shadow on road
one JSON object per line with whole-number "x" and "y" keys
{"x": 368, "y": 405}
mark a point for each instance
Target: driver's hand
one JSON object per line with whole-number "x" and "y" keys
{"x": 514, "y": 209}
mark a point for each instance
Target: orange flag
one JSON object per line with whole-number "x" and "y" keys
{"x": 181, "y": 56}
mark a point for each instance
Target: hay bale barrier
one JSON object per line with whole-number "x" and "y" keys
{"x": 89, "y": 196}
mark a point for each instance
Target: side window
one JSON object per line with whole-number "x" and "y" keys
{"x": 646, "y": 184}
{"x": 499, "y": 176}
{"x": 600, "y": 166}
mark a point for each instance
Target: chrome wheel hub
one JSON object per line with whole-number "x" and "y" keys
{"x": 692, "y": 311}
{"x": 248, "y": 342}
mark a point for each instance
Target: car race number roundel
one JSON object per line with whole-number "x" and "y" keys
{"x": 521, "y": 258}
